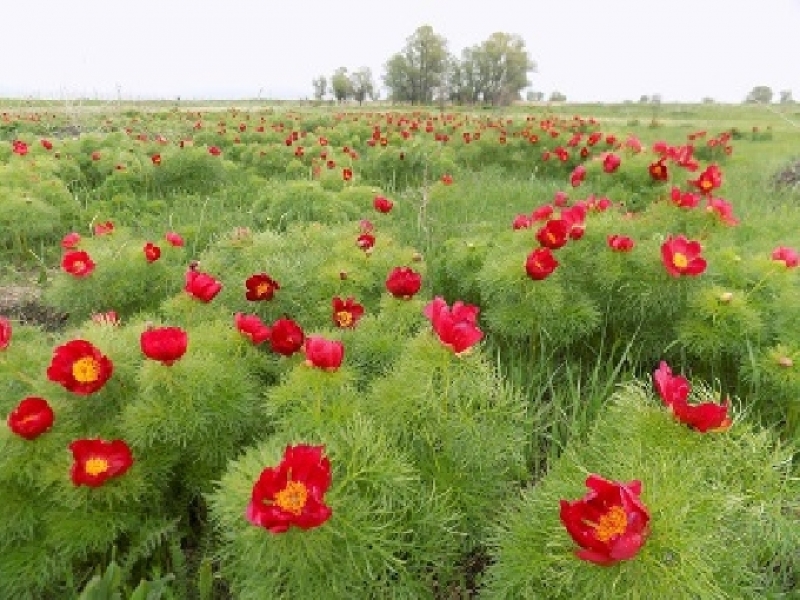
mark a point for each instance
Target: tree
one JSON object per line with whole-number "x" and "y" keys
{"x": 786, "y": 97}
{"x": 532, "y": 96}
{"x": 414, "y": 73}
{"x": 320, "y": 87}
{"x": 362, "y": 85}
{"x": 502, "y": 65}
{"x": 341, "y": 85}
{"x": 557, "y": 97}
{"x": 761, "y": 94}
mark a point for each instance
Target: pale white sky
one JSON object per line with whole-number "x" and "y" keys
{"x": 588, "y": 49}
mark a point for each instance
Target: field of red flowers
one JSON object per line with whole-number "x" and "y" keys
{"x": 318, "y": 354}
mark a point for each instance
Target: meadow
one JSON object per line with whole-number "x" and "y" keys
{"x": 311, "y": 351}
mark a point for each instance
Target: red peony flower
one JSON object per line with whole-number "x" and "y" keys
{"x": 287, "y": 337}
{"x": 577, "y": 176}
{"x": 682, "y": 256}
{"x": 382, "y": 204}
{"x": 79, "y": 367}
{"x": 403, "y": 282}
{"x": 324, "y": 354}
{"x": 708, "y": 180}
{"x": 684, "y": 199}
{"x": 201, "y": 285}
{"x": 347, "y": 174}
{"x": 454, "y": 327}
{"x": 346, "y": 313}
{"x": 447, "y": 179}
{"x": 31, "y": 418}
{"x": 540, "y": 263}
{"x": 575, "y": 218}
{"x": 658, "y": 171}
{"x": 71, "y": 241}
{"x": 174, "y": 239}
{"x": 543, "y": 213}
{"x": 293, "y": 493}
{"x": 366, "y": 241}
{"x": 723, "y": 210}
{"x": 788, "y": 256}
{"x": 620, "y": 243}
{"x": 560, "y": 199}
{"x": 521, "y": 222}
{"x": 19, "y": 147}
{"x": 77, "y": 263}
{"x": 156, "y": 159}
{"x": 611, "y": 162}
{"x": 260, "y": 287}
{"x": 554, "y": 234}
{"x": 252, "y": 327}
{"x": 96, "y": 461}
{"x": 5, "y": 332}
{"x": 674, "y": 391}
{"x": 104, "y": 228}
{"x": 214, "y": 151}
{"x": 95, "y": 155}
{"x": 152, "y": 252}
{"x": 164, "y": 344}
{"x": 47, "y": 144}
{"x": 609, "y": 523}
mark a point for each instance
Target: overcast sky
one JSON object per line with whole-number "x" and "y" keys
{"x": 604, "y": 50}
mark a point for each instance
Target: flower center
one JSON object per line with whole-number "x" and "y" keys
{"x": 262, "y": 289}
{"x": 96, "y": 466}
{"x": 611, "y": 524}
{"x": 679, "y": 260}
{"x": 706, "y": 184}
{"x": 344, "y": 318}
{"x": 78, "y": 265}
{"x": 86, "y": 370}
{"x": 293, "y": 497}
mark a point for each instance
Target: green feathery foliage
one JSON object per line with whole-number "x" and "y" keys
{"x": 723, "y": 513}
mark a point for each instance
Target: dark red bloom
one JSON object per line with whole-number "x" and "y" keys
{"x": 164, "y": 344}
{"x": 540, "y": 264}
{"x": 71, "y": 241}
{"x": 521, "y": 222}
{"x": 19, "y": 147}
{"x": 95, "y": 155}
{"x": 554, "y": 234}
{"x": 787, "y": 256}
{"x": 80, "y": 367}
{"x": 47, "y": 144}
{"x": 287, "y": 337}
{"x": 152, "y": 252}
{"x": 709, "y": 180}
{"x": 575, "y": 218}
{"x": 293, "y": 493}
{"x": 365, "y": 241}
{"x": 403, "y": 282}
{"x": 447, "y": 179}
{"x": 324, "y": 354}
{"x": 347, "y": 174}
{"x": 609, "y": 523}
{"x": 214, "y": 151}
{"x": 455, "y": 327}
{"x": 77, "y": 263}
{"x": 156, "y": 159}
{"x": 682, "y": 257}
{"x": 658, "y": 171}
{"x": 201, "y": 285}
{"x": 577, "y": 176}
{"x": 260, "y": 287}
{"x": 104, "y": 228}
{"x": 675, "y": 390}
{"x": 684, "y": 199}
{"x": 346, "y": 313}
{"x": 722, "y": 209}
{"x": 5, "y": 332}
{"x": 174, "y": 239}
{"x": 611, "y": 162}
{"x": 252, "y": 327}
{"x": 31, "y": 418}
{"x": 620, "y": 243}
{"x": 542, "y": 213}
{"x": 382, "y": 204}
{"x": 96, "y": 461}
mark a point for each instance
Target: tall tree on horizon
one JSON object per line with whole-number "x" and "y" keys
{"x": 417, "y": 71}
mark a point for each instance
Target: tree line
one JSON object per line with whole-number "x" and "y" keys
{"x": 494, "y": 72}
